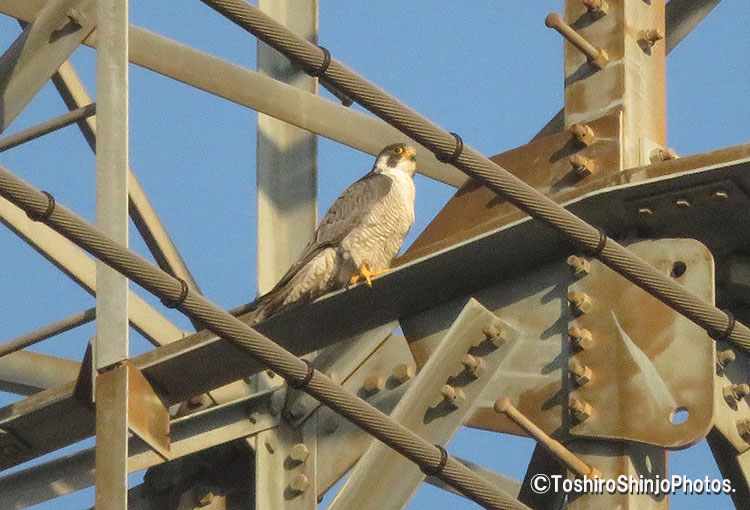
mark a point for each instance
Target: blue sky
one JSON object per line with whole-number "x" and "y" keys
{"x": 488, "y": 70}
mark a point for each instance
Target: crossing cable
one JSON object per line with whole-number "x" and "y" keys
{"x": 295, "y": 370}
{"x": 589, "y": 238}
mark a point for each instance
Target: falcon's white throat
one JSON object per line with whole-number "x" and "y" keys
{"x": 405, "y": 164}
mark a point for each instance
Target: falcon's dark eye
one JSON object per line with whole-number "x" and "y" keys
{"x": 399, "y": 150}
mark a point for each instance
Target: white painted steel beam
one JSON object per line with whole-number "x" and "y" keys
{"x": 28, "y": 372}
{"x": 287, "y": 173}
{"x": 72, "y": 261}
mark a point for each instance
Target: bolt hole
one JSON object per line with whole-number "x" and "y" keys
{"x": 679, "y": 416}
{"x": 678, "y": 269}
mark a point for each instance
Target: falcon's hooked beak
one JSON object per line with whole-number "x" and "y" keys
{"x": 410, "y": 154}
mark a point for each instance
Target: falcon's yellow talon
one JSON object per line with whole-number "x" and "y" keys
{"x": 366, "y": 274}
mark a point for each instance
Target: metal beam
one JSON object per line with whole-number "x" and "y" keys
{"x": 67, "y": 257}
{"x": 286, "y": 170}
{"x": 27, "y": 372}
{"x": 57, "y": 327}
{"x": 45, "y": 127}
{"x": 261, "y": 93}
{"x": 144, "y": 216}
{"x": 27, "y": 65}
{"x": 190, "y": 434}
{"x": 683, "y": 16}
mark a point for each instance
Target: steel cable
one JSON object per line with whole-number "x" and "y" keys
{"x": 39, "y": 204}
{"x": 719, "y": 324}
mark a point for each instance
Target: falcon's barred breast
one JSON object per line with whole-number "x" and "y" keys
{"x": 358, "y": 236}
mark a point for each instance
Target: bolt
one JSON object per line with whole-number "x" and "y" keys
{"x": 495, "y": 334}
{"x": 205, "y": 498}
{"x": 299, "y": 483}
{"x": 403, "y": 372}
{"x": 474, "y": 365}
{"x": 581, "y": 373}
{"x": 271, "y": 374}
{"x": 299, "y": 453}
{"x": 583, "y": 134}
{"x": 452, "y": 395}
{"x": 582, "y": 166}
{"x": 252, "y": 417}
{"x": 735, "y": 393}
{"x": 662, "y": 155}
{"x": 594, "y": 56}
{"x": 725, "y": 357}
{"x": 743, "y": 428}
{"x": 581, "y": 338}
{"x": 720, "y": 195}
{"x": 682, "y": 203}
{"x": 580, "y": 410}
{"x": 596, "y": 8}
{"x": 579, "y": 266}
{"x": 580, "y": 303}
{"x": 330, "y": 425}
{"x": 645, "y": 212}
{"x": 647, "y": 38}
{"x": 373, "y": 383}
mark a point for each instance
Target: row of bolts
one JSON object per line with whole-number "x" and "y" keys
{"x": 474, "y": 366}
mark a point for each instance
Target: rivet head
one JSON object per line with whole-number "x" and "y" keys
{"x": 580, "y": 302}
{"x": 725, "y": 357}
{"x": 299, "y": 453}
{"x": 452, "y": 395}
{"x": 580, "y": 337}
{"x": 403, "y": 372}
{"x": 373, "y": 383}
{"x": 581, "y": 374}
{"x": 583, "y": 134}
{"x": 582, "y": 166}
{"x": 736, "y": 392}
{"x": 720, "y": 195}
{"x": 650, "y": 37}
{"x": 474, "y": 365}
{"x": 661, "y": 154}
{"x": 683, "y": 203}
{"x": 495, "y": 334}
{"x": 297, "y": 410}
{"x": 579, "y": 266}
{"x": 580, "y": 410}
{"x": 299, "y": 483}
{"x": 596, "y": 8}
{"x": 743, "y": 429}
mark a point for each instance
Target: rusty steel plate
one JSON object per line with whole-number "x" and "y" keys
{"x": 651, "y": 370}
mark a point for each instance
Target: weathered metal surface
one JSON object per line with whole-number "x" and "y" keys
{"x": 383, "y": 478}
{"x": 616, "y": 458}
{"x": 200, "y": 362}
{"x": 729, "y": 414}
{"x": 542, "y": 463}
{"x": 544, "y": 164}
{"x": 340, "y": 443}
{"x": 286, "y": 467}
{"x": 48, "y": 331}
{"x": 112, "y": 439}
{"x": 190, "y": 434}
{"x": 339, "y": 362}
{"x": 643, "y": 388}
{"x": 56, "y": 31}
{"x": 633, "y": 82}
{"x": 734, "y": 466}
{"x": 286, "y": 169}
{"x": 147, "y": 416}
{"x": 28, "y": 372}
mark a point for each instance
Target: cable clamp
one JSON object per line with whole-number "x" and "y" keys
{"x": 47, "y": 212}
{"x": 453, "y": 158}
{"x": 298, "y": 385}
{"x": 600, "y": 246}
{"x": 174, "y": 303}
{"x": 730, "y": 328}
{"x": 317, "y": 73}
{"x": 435, "y": 471}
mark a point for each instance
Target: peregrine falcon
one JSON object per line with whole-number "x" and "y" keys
{"x": 358, "y": 236}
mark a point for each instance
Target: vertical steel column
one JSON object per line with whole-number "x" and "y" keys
{"x": 111, "y": 345}
{"x": 286, "y": 158}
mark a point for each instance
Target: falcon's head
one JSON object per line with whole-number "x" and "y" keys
{"x": 398, "y": 156}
